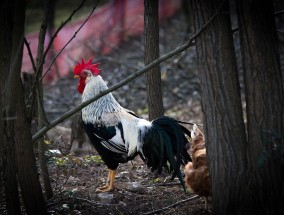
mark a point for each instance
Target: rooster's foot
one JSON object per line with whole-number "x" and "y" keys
{"x": 104, "y": 189}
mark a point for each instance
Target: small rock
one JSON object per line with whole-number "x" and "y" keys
{"x": 105, "y": 197}
{"x": 134, "y": 186}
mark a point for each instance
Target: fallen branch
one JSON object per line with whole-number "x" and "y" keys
{"x": 170, "y": 54}
{"x": 172, "y": 205}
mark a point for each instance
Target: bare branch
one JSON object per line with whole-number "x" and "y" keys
{"x": 30, "y": 53}
{"x": 61, "y": 26}
{"x": 170, "y": 54}
{"x": 279, "y": 13}
{"x": 69, "y": 40}
{"x": 40, "y": 50}
{"x": 27, "y": 44}
{"x": 172, "y": 205}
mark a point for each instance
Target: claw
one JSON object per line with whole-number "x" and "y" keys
{"x": 110, "y": 183}
{"x": 107, "y": 189}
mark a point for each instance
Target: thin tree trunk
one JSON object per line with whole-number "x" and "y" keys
{"x": 221, "y": 106}
{"x": 42, "y": 120}
{"x": 41, "y": 154}
{"x": 27, "y": 172}
{"x": 264, "y": 104}
{"x": 153, "y": 76}
{"x": 50, "y": 31}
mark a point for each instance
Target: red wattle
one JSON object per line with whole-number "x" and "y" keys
{"x": 81, "y": 86}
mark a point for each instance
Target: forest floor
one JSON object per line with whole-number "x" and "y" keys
{"x": 138, "y": 190}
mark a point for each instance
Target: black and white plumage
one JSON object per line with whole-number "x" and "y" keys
{"x": 118, "y": 135}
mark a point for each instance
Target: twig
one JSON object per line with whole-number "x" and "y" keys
{"x": 172, "y": 205}
{"x": 126, "y": 80}
{"x": 165, "y": 184}
{"x": 69, "y": 40}
{"x": 30, "y": 53}
{"x": 49, "y": 204}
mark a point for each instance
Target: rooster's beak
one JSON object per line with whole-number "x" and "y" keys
{"x": 76, "y": 76}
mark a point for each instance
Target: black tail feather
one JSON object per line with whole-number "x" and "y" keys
{"x": 166, "y": 143}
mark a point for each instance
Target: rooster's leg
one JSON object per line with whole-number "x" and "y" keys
{"x": 110, "y": 182}
{"x": 107, "y": 183}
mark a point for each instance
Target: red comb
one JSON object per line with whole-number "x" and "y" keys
{"x": 87, "y": 66}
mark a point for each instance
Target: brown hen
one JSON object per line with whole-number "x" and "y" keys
{"x": 196, "y": 172}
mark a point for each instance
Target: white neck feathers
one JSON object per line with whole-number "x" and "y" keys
{"x": 106, "y": 109}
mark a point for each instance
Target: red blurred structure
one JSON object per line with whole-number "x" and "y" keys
{"x": 106, "y": 28}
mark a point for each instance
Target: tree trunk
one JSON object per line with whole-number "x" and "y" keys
{"x": 25, "y": 158}
{"x": 8, "y": 112}
{"x": 153, "y": 76}
{"x": 2, "y": 182}
{"x": 17, "y": 134}
{"x": 221, "y": 105}
{"x": 264, "y": 103}
{"x": 9, "y": 167}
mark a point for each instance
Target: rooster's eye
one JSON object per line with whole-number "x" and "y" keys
{"x": 86, "y": 74}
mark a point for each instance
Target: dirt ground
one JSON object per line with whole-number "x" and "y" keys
{"x": 138, "y": 190}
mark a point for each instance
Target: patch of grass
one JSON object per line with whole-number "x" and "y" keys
{"x": 155, "y": 181}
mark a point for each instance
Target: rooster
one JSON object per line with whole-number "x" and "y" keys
{"x": 196, "y": 172}
{"x": 119, "y": 135}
